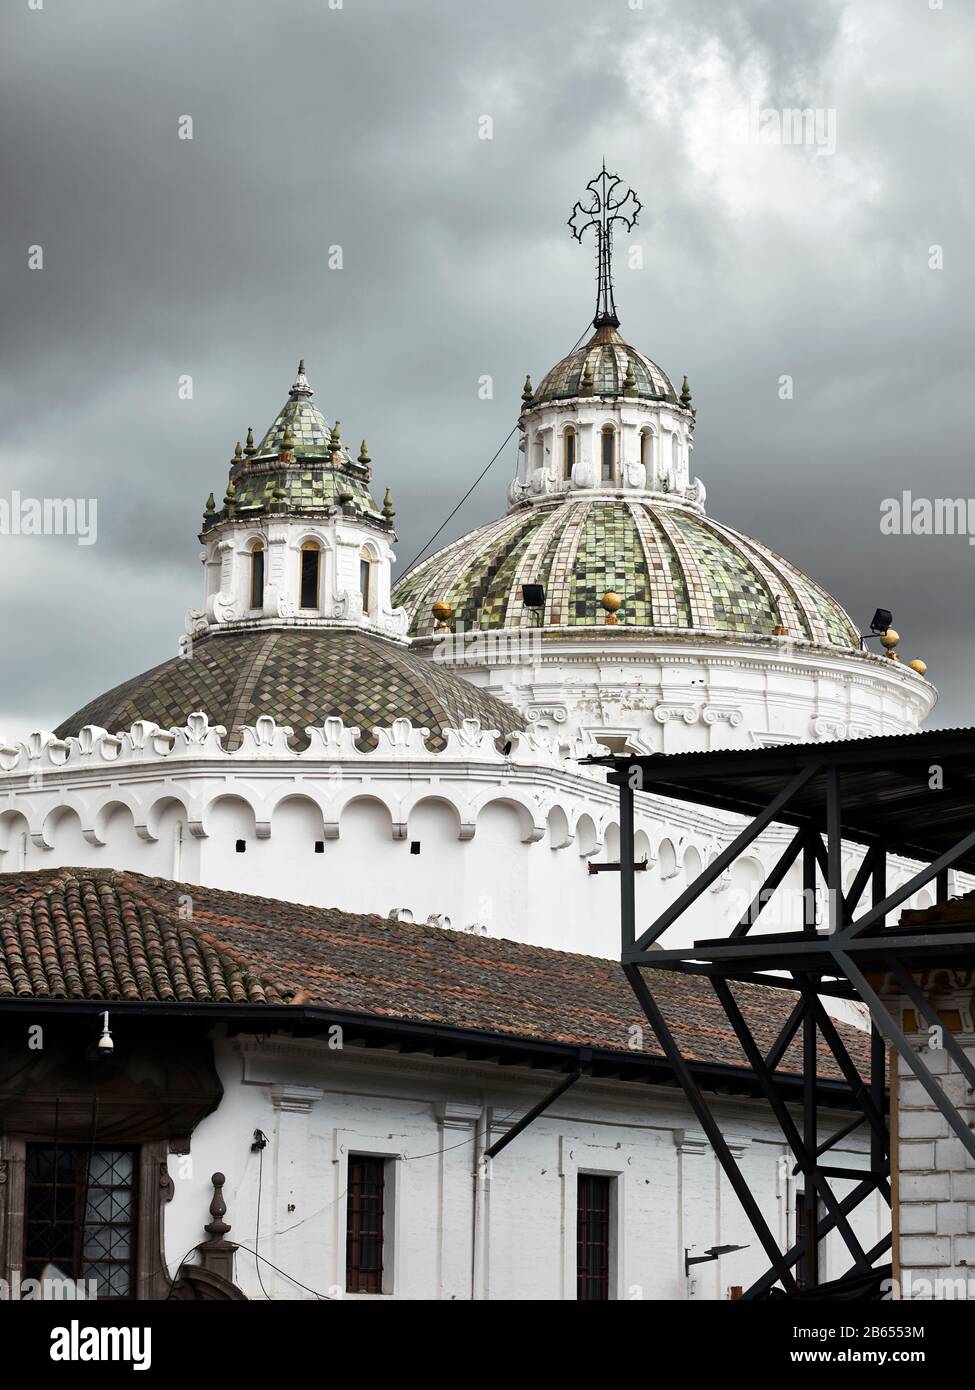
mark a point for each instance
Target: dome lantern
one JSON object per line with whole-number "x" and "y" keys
{"x": 300, "y": 538}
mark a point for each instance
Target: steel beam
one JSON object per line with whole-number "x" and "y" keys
{"x": 728, "y": 855}
{"x": 710, "y": 1126}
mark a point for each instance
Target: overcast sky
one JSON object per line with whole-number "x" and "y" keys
{"x": 359, "y": 127}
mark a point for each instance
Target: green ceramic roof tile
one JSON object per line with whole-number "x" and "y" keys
{"x": 674, "y": 569}
{"x": 607, "y": 356}
{"x": 301, "y": 676}
{"x": 316, "y": 477}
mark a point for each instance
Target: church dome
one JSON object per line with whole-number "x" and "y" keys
{"x": 301, "y": 676}
{"x": 675, "y": 570}
{"x": 605, "y": 366}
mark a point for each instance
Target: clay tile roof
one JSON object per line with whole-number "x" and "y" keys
{"x": 93, "y": 934}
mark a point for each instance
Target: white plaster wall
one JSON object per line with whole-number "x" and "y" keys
{"x": 503, "y": 849}
{"x": 456, "y": 1230}
{"x": 680, "y": 694}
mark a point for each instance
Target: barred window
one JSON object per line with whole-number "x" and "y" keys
{"x": 364, "y": 1224}
{"x": 592, "y": 1238}
{"x": 81, "y": 1215}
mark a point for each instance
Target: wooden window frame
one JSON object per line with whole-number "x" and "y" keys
{"x": 369, "y": 1278}
{"x": 154, "y": 1189}
{"x": 593, "y": 1278}
{"x": 81, "y": 1191}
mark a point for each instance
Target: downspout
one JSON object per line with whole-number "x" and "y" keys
{"x": 479, "y": 1204}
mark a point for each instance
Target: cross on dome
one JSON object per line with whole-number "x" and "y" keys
{"x": 607, "y": 205}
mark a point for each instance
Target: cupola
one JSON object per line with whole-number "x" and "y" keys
{"x": 299, "y": 540}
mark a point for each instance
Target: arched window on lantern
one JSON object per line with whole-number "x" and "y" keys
{"x": 365, "y": 580}
{"x": 608, "y": 454}
{"x": 675, "y": 451}
{"x": 538, "y": 453}
{"x": 568, "y": 452}
{"x": 646, "y": 451}
{"x": 311, "y": 564}
{"x": 257, "y": 577}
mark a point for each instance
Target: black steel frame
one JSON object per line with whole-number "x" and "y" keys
{"x": 811, "y": 963}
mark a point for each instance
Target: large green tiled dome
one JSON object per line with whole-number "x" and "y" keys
{"x": 675, "y": 570}
{"x": 301, "y": 676}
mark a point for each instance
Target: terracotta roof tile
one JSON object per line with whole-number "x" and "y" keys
{"x": 106, "y": 934}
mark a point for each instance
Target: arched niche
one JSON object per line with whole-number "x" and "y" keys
{"x": 666, "y": 859}
{"x": 299, "y": 820}
{"x": 587, "y": 838}
{"x": 559, "y": 834}
{"x": 364, "y": 819}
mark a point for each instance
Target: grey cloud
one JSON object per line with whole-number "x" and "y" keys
{"x": 358, "y": 127}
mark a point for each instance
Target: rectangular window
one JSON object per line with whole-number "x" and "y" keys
{"x": 808, "y": 1266}
{"x": 81, "y": 1214}
{"x": 570, "y": 453}
{"x": 257, "y": 579}
{"x": 364, "y": 1224}
{"x": 365, "y": 571}
{"x": 592, "y": 1237}
{"x": 309, "y": 578}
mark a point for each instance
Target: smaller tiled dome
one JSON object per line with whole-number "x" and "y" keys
{"x": 600, "y": 368}
{"x": 300, "y": 465}
{"x": 311, "y": 434}
{"x": 301, "y": 676}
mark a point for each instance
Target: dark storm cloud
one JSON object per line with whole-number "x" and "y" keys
{"x": 358, "y": 127}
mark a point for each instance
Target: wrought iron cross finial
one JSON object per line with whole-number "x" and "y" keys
{"x": 609, "y": 204}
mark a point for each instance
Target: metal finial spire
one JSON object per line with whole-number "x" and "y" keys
{"x": 609, "y": 203}
{"x": 300, "y": 387}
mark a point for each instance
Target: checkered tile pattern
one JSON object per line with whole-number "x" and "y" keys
{"x": 312, "y": 434}
{"x": 301, "y": 676}
{"x": 674, "y": 570}
{"x": 301, "y": 487}
{"x": 607, "y": 357}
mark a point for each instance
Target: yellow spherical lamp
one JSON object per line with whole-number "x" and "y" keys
{"x": 442, "y": 612}
{"x": 611, "y": 603}
{"x": 889, "y": 639}
{"x": 918, "y": 665}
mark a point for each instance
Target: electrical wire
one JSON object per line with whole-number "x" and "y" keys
{"x": 424, "y": 548}
{"x": 257, "y": 1231}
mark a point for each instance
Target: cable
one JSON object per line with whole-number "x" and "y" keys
{"x": 257, "y": 1231}
{"x": 327, "y": 1297}
{"x": 424, "y": 548}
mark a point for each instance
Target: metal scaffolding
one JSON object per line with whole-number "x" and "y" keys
{"x": 912, "y": 795}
